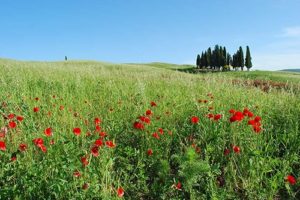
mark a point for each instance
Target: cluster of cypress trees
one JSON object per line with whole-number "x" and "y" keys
{"x": 219, "y": 58}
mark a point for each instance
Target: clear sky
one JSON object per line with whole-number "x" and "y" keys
{"x": 172, "y": 31}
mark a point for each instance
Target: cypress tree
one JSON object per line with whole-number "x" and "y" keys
{"x": 234, "y": 61}
{"x": 202, "y": 60}
{"x": 217, "y": 56}
{"x": 213, "y": 59}
{"x": 228, "y": 59}
{"x": 208, "y": 57}
{"x": 220, "y": 57}
{"x": 248, "y": 62}
{"x": 198, "y": 61}
{"x": 205, "y": 60}
{"x": 241, "y": 58}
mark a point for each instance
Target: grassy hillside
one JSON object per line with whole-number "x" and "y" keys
{"x": 291, "y": 70}
{"x": 93, "y": 130}
{"x": 278, "y": 76}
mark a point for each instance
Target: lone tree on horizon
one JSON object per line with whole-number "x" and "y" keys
{"x": 248, "y": 62}
{"x": 198, "y": 63}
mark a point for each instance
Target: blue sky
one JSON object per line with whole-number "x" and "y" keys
{"x": 172, "y": 31}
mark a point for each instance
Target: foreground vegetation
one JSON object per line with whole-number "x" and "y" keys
{"x": 83, "y": 130}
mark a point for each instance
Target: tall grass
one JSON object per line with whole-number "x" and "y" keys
{"x": 192, "y": 154}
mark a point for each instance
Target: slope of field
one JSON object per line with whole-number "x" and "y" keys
{"x": 89, "y": 130}
{"x": 279, "y": 76}
{"x": 291, "y": 70}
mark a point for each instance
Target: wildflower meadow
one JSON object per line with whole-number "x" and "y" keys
{"x": 91, "y": 130}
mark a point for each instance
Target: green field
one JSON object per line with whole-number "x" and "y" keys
{"x": 173, "y": 157}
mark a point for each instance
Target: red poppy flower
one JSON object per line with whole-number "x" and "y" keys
{"x": 232, "y": 111}
{"x": 217, "y": 117}
{"x": 36, "y": 98}
{"x": 110, "y": 144}
{"x": 43, "y": 148}
{"x": 12, "y": 124}
{"x": 61, "y": 107}
{"x": 85, "y": 186}
{"x": 2, "y": 146}
{"x": 20, "y": 118}
{"x": 257, "y": 128}
{"x": 149, "y": 152}
{"x": 11, "y": 116}
{"x": 97, "y": 121}
{"x": 153, "y": 104}
{"x": 76, "y": 174}
{"x": 237, "y": 116}
{"x": 247, "y": 113}
{"x": 155, "y": 135}
{"x": 251, "y": 122}
{"x": 120, "y": 192}
{"x": 236, "y": 149}
{"x": 48, "y": 132}
{"x": 13, "y": 158}
{"x": 161, "y": 131}
{"x": 102, "y": 134}
{"x": 148, "y": 112}
{"x": 97, "y": 128}
{"x": 145, "y": 119}
{"x": 95, "y": 151}
{"x": 98, "y": 142}
{"x": 138, "y": 125}
{"x": 291, "y": 179}
{"x": 257, "y": 119}
{"x": 194, "y": 120}
{"x": 178, "y": 186}
{"x": 36, "y": 109}
{"x": 22, "y": 147}
{"x": 77, "y": 131}
{"x": 84, "y": 161}
{"x": 210, "y": 115}
{"x": 226, "y": 152}
{"x": 38, "y": 141}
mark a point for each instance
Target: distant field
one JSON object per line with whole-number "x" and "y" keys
{"x": 280, "y": 76}
{"x": 91, "y": 130}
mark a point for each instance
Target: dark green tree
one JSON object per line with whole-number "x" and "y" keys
{"x": 213, "y": 59}
{"x": 224, "y": 55}
{"x": 241, "y": 58}
{"x": 202, "y": 60}
{"x": 208, "y": 57}
{"x": 234, "y": 61}
{"x": 248, "y": 62}
{"x": 198, "y": 61}
{"x": 228, "y": 59}
{"x": 205, "y": 60}
{"x": 217, "y": 56}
